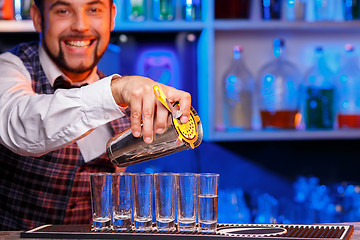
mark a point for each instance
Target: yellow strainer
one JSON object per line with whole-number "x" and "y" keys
{"x": 189, "y": 133}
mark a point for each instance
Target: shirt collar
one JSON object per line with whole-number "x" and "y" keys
{"x": 52, "y": 71}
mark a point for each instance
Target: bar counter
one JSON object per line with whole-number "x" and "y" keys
{"x": 12, "y": 235}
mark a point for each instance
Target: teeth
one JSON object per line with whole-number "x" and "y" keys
{"x": 78, "y": 43}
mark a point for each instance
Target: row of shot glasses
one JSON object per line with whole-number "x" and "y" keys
{"x": 123, "y": 201}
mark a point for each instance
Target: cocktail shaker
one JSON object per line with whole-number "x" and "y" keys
{"x": 124, "y": 149}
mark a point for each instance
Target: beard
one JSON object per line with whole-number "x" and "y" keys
{"x": 60, "y": 61}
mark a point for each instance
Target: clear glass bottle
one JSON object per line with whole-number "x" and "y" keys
{"x": 351, "y": 9}
{"x": 22, "y": 9}
{"x": 191, "y": 10}
{"x": 271, "y": 9}
{"x": 237, "y": 103}
{"x": 293, "y": 10}
{"x": 348, "y": 85}
{"x": 135, "y": 10}
{"x": 319, "y": 94}
{"x": 278, "y": 91}
{"x": 164, "y": 10}
{"x": 324, "y": 10}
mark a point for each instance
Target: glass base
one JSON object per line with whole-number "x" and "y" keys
{"x": 187, "y": 225}
{"x": 143, "y": 225}
{"x": 102, "y": 224}
{"x": 207, "y": 227}
{"x": 122, "y": 223}
{"x": 165, "y": 225}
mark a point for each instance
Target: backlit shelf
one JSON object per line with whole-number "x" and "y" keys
{"x": 156, "y": 26}
{"x": 146, "y": 26}
{"x": 270, "y": 135}
{"x": 16, "y": 26}
{"x": 276, "y": 25}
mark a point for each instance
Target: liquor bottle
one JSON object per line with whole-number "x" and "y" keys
{"x": 271, "y": 9}
{"x": 293, "y": 10}
{"x": 324, "y": 10}
{"x": 348, "y": 82}
{"x": 232, "y": 9}
{"x": 135, "y": 10}
{"x": 22, "y": 9}
{"x": 278, "y": 91}
{"x": 6, "y": 9}
{"x": 192, "y": 10}
{"x": 319, "y": 95}
{"x": 351, "y": 9}
{"x": 164, "y": 10}
{"x": 237, "y": 101}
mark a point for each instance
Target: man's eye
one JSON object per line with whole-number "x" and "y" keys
{"x": 62, "y": 11}
{"x": 95, "y": 10}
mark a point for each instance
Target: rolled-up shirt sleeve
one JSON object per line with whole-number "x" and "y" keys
{"x": 34, "y": 124}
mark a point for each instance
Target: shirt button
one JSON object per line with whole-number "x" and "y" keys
{"x": 106, "y": 116}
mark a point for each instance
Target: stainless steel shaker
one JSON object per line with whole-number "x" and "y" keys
{"x": 124, "y": 149}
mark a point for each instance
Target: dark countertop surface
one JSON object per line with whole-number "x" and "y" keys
{"x": 15, "y": 235}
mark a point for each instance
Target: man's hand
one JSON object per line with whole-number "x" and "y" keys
{"x": 138, "y": 93}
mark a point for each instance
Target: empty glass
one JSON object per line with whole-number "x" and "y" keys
{"x": 100, "y": 189}
{"x": 121, "y": 201}
{"x": 165, "y": 201}
{"x": 186, "y": 187}
{"x": 142, "y": 201}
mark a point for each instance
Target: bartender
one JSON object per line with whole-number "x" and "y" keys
{"x": 58, "y": 111}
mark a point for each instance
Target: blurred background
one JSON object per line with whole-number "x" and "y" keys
{"x": 276, "y": 84}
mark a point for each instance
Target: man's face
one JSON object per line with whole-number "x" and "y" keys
{"x": 75, "y": 33}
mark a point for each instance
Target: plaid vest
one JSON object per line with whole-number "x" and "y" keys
{"x": 53, "y": 188}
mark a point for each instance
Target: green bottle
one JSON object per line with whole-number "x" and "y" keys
{"x": 135, "y": 10}
{"x": 164, "y": 10}
{"x": 319, "y": 109}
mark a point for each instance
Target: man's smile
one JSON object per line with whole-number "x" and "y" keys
{"x": 78, "y": 43}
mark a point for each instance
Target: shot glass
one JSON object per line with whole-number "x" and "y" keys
{"x": 100, "y": 188}
{"x": 142, "y": 200}
{"x": 186, "y": 187}
{"x": 165, "y": 201}
{"x": 208, "y": 201}
{"x": 121, "y": 201}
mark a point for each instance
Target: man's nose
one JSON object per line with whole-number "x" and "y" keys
{"x": 80, "y": 22}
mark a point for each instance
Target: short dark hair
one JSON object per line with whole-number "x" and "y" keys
{"x": 40, "y": 5}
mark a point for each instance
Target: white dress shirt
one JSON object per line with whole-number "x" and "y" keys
{"x": 33, "y": 124}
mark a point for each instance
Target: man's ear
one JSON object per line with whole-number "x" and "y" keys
{"x": 36, "y": 17}
{"x": 113, "y": 15}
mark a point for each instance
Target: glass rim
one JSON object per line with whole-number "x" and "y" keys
{"x": 100, "y": 174}
{"x": 209, "y": 174}
{"x": 164, "y": 174}
{"x": 121, "y": 174}
{"x": 186, "y": 174}
{"x": 142, "y": 174}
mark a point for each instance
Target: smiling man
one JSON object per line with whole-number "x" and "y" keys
{"x": 80, "y": 35}
{"x": 53, "y": 129}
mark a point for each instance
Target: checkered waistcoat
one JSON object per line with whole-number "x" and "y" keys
{"x": 53, "y": 188}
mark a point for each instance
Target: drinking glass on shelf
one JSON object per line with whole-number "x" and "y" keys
{"x": 208, "y": 201}
{"x": 121, "y": 200}
{"x": 100, "y": 190}
{"x": 142, "y": 201}
{"x": 186, "y": 188}
{"x": 165, "y": 201}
